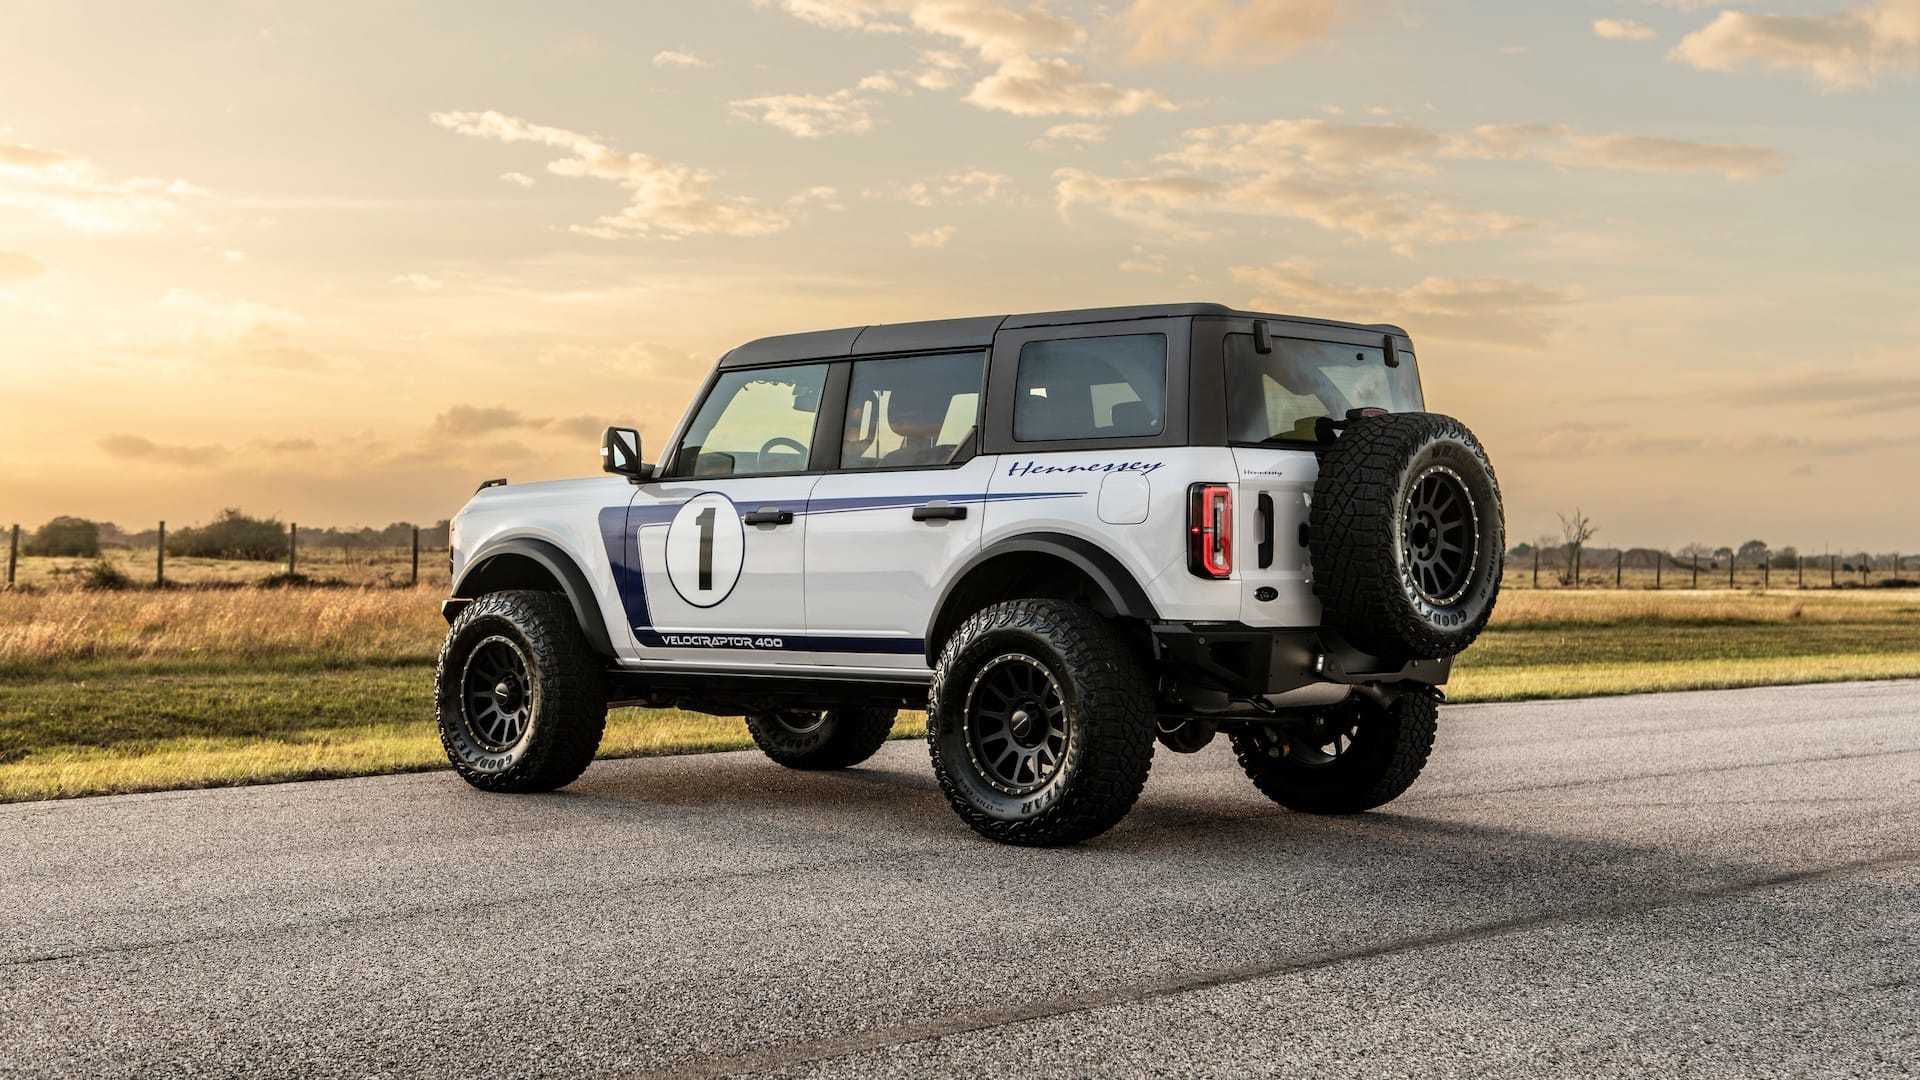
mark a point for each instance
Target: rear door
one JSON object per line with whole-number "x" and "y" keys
{"x": 901, "y": 505}
{"x": 1276, "y": 403}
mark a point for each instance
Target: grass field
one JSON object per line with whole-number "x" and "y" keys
{"x": 132, "y": 691}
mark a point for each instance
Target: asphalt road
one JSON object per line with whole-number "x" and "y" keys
{"x": 1692, "y": 884}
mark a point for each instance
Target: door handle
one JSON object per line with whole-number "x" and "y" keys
{"x": 930, "y": 512}
{"x": 1265, "y": 551}
{"x": 768, "y": 515}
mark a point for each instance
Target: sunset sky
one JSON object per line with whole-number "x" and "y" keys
{"x": 338, "y": 262}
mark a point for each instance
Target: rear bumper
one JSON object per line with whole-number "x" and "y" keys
{"x": 1246, "y": 660}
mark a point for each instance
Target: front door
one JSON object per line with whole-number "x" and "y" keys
{"x": 718, "y": 545}
{"x": 902, "y": 507}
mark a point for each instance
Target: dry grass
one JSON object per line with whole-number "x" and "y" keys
{"x": 326, "y": 626}
{"x": 388, "y": 567}
{"x": 1520, "y": 609}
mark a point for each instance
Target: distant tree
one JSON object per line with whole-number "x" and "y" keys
{"x": 232, "y": 535}
{"x": 1786, "y": 558}
{"x": 1575, "y": 531}
{"x": 66, "y": 536}
{"x": 1520, "y": 550}
{"x": 1752, "y": 552}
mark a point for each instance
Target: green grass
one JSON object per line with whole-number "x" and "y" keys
{"x": 113, "y": 694}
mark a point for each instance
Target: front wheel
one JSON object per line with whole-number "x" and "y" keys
{"x": 834, "y": 739}
{"x": 1345, "y": 758}
{"x": 520, "y": 695}
{"x": 1040, "y": 723}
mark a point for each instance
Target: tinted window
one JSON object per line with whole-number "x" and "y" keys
{"x": 1279, "y": 396}
{"x": 916, "y": 410}
{"x": 754, "y": 422}
{"x": 1091, "y": 388}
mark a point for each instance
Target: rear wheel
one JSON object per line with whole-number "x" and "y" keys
{"x": 1040, "y": 723}
{"x": 834, "y": 739}
{"x": 520, "y": 695}
{"x": 1346, "y": 758}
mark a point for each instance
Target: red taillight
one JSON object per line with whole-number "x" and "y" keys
{"x": 1210, "y": 530}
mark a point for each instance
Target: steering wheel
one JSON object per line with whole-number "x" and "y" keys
{"x": 782, "y": 440}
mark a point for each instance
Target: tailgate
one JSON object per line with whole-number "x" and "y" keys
{"x": 1270, "y": 523}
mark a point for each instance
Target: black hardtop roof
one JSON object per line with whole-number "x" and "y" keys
{"x": 977, "y": 333}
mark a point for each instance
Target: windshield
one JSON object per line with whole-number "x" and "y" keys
{"x": 1279, "y": 396}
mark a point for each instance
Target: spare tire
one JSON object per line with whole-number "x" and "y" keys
{"x": 1407, "y": 536}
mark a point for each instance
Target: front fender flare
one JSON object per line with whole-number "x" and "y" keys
{"x": 558, "y": 564}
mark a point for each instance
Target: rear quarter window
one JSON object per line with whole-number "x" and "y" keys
{"x": 1091, "y": 388}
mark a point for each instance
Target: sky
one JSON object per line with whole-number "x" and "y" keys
{"x": 339, "y": 262}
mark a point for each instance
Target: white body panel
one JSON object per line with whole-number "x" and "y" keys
{"x": 1286, "y": 477}
{"x": 875, "y": 572}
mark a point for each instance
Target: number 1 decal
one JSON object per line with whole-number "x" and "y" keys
{"x": 706, "y": 547}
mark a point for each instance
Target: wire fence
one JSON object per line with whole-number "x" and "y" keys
{"x": 1560, "y": 567}
{"x": 317, "y": 558}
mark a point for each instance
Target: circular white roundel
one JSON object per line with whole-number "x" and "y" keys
{"x": 706, "y": 545}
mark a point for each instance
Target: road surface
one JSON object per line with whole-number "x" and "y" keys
{"x": 1717, "y": 884}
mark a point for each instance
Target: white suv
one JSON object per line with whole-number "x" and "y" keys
{"x": 1065, "y": 535}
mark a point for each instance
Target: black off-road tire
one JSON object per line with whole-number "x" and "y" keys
{"x": 563, "y": 708}
{"x": 1105, "y": 710}
{"x": 834, "y": 739}
{"x": 1383, "y": 576}
{"x": 1388, "y": 747}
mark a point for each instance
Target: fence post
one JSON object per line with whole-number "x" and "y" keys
{"x": 1833, "y": 576}
{"x": 1658, "y": 558}
{"x": 293, "y": 545}
{"x": 1766, "y": 570}
{"x": 1536, "y": 567}
{"x": 1733, "y": 564}
{"x": 1800, "y": 578}
{"x": 1619, "y": 561}
{"x": 160, "y": 560}
{"x": 1696, "y": 569}
{"x": 416, "y": 554}
{"x": 13, "y": 555}
{"x": 1863, "y": 567}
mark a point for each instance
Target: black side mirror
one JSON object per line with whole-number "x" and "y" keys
{"x": 620, "y": 454}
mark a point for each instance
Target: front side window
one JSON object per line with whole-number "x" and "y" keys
{"x": 754, "y": 423}
{"x": 1091, "y": 388}
{"x": 913, "y": 411}
{"x": 1282, "y": 395}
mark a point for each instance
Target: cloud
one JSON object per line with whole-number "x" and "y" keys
{"x": 967, "y": 186}
{"x": 137, "y": 448}
{"x": 470, "y": 422}
{"x": 517, "y": 179}
{"x": 1841, "y": 50}
{"x": 17, "y": 267}
{"x": 664, "y": 197}
{"x": 1049, "y": 86}
{"x": 420, "y": 282}
{"x": 1078, "y": 134}
{"x": 1479, "y": 310}
{"x": 1318, "y": 145}
{"x": 1221, "y": 32}
{"x": 1026, "y": 46}
{"x": 670, "y": 58}
{"x": 1560, "y": 145}
{"x": 57, "y": 186}
{"x": 810, "y": 116}
{"x": 1622, "y": 30}
{"x": 936, "y": 237}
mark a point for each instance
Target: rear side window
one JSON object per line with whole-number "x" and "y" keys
{"x": 1091, "y": 388}
{"x": 1280, "y": 396}
{"x": 912, "y": 411}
